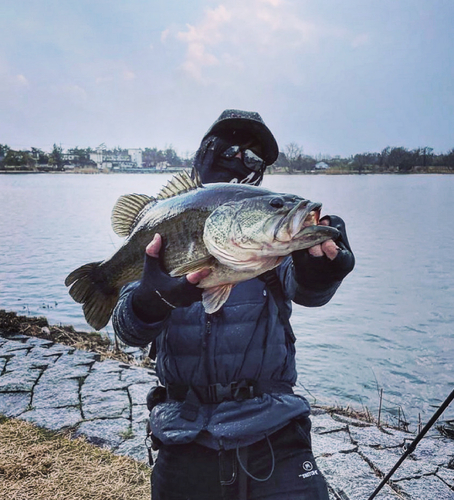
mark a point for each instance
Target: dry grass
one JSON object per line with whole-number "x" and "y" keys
{"x": 363, "y": 415}
{"x": 36, "y": 464}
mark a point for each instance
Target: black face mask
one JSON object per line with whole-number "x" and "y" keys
{"x": 215, "y": 167}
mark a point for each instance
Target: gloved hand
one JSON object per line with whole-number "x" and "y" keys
{"x": 158, "y": 293}
{"x": 328, "y": 265}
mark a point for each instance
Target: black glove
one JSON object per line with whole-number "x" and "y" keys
{"x": 158, "y": 293}
{"x": 318, "y": 273}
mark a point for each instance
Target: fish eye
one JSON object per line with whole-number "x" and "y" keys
{"x": 277, "y": 202}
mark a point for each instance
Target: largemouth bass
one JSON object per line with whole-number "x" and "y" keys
{"x": 236, "y": 230}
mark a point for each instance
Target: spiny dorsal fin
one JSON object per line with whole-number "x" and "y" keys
{"x": 178, "y": 184}
{"x": 126, "y": 210}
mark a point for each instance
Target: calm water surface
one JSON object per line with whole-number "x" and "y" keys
{"x": 389, "y": 326}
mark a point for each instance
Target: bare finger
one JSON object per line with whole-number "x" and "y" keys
{"x": 330, "y": 249}
{"x": 316, "y": 251}
{"x": 198, "y": 276}
{"x": 154, "y": 246}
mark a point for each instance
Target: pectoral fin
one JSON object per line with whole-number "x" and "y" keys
{"x": 214, "y": 298}
{"x": 193, "y": 267}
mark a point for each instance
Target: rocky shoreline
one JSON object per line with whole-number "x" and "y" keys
{"x": 88, "y": 390}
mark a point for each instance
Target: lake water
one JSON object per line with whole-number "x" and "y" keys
{"x": 389, "y": 326}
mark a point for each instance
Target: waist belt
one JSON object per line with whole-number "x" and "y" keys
{"x": 235, "y": 391}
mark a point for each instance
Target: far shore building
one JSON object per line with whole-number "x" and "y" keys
{"x": 117, "y": 161}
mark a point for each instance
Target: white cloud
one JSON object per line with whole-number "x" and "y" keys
{"x": 21, "y": 80}
{"x": 164, "y": 35}
{"x": 76, "y": 92}
{"x": 129, "y": 75}
{"x": 103, "y": 79}
{"x": 230, "y": 32}
{"x": 360, "y": 40}
{"x": 113, "y": 71}
{"x": 11, "y": 81}
{"x": 274, "y": 3}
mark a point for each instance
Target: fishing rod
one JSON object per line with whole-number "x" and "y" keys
{"x": 412, "y": 446}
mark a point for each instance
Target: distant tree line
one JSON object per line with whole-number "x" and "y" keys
{"x": 291, "y": 160}
{"x": 37, "y": 159}
{"x": 390, "y": 159}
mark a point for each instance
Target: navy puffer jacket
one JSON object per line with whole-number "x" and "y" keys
{"x": 244, "y": 340}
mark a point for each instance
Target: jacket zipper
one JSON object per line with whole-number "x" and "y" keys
{"x": 206, "y": 350}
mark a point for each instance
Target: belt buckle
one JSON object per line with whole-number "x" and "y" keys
{"x": 235, "y": 391}
{"x": 242, "y": 390}
{"x": 217, "y": 392}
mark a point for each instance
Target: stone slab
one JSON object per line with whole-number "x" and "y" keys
{"x": 12, "y": 404}
{"x": 328, "y": 444}
{"x": 138, "y": 393}
{"x": 55, "y": 420}
{"x": 430, "y": 487}
{"x": 384, "y": 461}
{"x": 108, "y": 366}
{"x": 104, "y": 432}
{"x": 436, "y": 450}
{"x": 373, "y": 436}
{"x": 52, "y": 395}
{"x": 21, "y": 380}
{"x": 140, "y": 415}
{"x": 29, "y": 362}
{"x": 105, "y": 404}
{"x": 352, "y": 478}
{"x": 134, "y": 448}
{"x": 64, "y": 371}
{"x": 447, "y": 475}
{"x": 36, "y": 341}
{"x": 16, "y": 336}
{"x": 39, "y": 352}
{"x": 324, "y": 423}
{"x": 59, "y": 349}
{"x": 99, "y": 381}
{"x": 79, "y": 357}
{"x": 139, "y": 376}
{"x": 12, "y": 346}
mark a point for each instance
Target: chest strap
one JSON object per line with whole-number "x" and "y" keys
{"x": 195, "y": 396}
{"x": 271, "y": 279}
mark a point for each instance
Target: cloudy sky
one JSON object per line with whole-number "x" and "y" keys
{"x": 336, "y": 77}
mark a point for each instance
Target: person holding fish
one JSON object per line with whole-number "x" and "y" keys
{"x": 226, "y": 420}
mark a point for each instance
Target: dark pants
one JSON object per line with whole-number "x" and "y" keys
{"x": 194, "y": 472}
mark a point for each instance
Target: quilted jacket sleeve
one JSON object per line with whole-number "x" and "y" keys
{"x": 129, "y": 328}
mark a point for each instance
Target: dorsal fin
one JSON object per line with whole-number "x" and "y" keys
{"x": 126, "y": 210}
{"x": 178, "y": 184}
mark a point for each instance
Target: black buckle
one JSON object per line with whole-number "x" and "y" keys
{"x": 235, "y": 391}
{"x": 243, "y": 390}
{"x": 217, "y": 393}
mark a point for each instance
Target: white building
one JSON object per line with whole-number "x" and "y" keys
{"x": 136, "y": 156}
{"x": 119, "y": 161}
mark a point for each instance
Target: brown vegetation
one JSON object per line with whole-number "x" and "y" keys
{"x": 36, "y": 464}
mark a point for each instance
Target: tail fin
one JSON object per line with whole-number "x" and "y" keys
{"x": 98, "y": 298}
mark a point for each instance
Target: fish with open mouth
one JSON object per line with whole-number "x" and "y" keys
{"x": 238, "y": 231}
